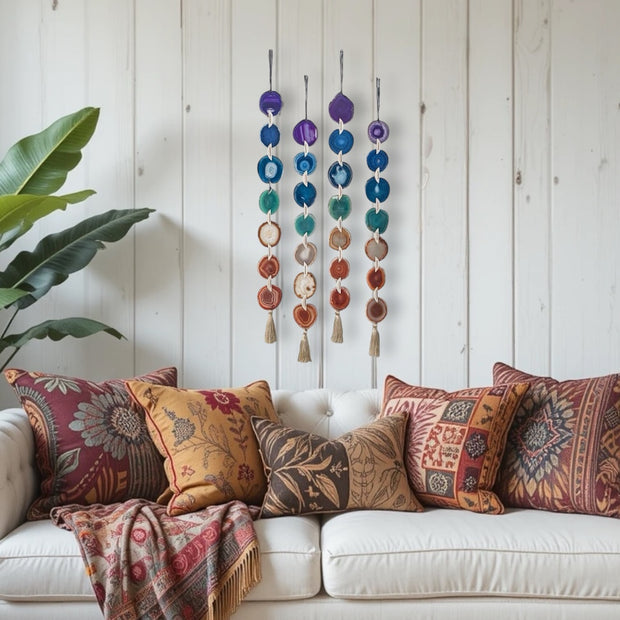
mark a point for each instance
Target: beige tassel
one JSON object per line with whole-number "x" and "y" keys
{"x": 270, "y": 329}
{"x": 337, "y": 331}
{"x": 304, "y": 349}
{"x": 374, "y": 342}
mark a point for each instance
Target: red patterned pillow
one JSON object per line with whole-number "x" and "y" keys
{"x": 563, "y": 450}
{"x": 91, "y": 441}
{"x": 455, "y": 440}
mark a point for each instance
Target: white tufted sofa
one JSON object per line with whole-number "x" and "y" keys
{"x": 444, "y": 564}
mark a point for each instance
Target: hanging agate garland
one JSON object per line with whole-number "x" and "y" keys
{"x": 269, "y": 171}
{"x": 339, "y": 175}
{"x": 305, "y": 133}
{"x": 377, "y": 191}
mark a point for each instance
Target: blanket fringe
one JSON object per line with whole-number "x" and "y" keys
{"x": 235, "y": 584}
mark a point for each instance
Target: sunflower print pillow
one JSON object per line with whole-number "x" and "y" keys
{"x": 91, "y": 441}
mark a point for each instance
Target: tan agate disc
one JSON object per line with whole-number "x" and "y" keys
{"x": 376, "y": 249}
{"x": 339, "y": 239}
{"x": 376, "y": 310}
{"x": 305, "y": 254}
{"x": 304, "y": 317}
{"x": 304, "y": 285}
{"x": 269, "y": 234}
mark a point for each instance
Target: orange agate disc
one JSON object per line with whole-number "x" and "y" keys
{"x": 268, "y": 266}
{"x": 339, "y": 300}
{"x": 339, "y": 268}
{"x": 304, "y": 317}
{"x": 269, "y": 299}
{"x": 376, "y": 310}
{"x": 375, "y": 278}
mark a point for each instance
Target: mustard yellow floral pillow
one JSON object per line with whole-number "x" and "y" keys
{"x": 205, "y": 436}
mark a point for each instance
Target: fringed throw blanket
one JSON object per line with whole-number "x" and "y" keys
{"x": 143, "y": 563}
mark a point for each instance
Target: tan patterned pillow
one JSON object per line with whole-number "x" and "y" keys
{"x": 455, "y": 440}
{"x": 211, "y": 454}
{"x": 361, "y": 469}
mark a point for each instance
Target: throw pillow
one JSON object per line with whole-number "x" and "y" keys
{"x": 91, "y": 441}
{"x": 361, "y": 469}
{"x": 563, "y": 451}
{"x": 455, "y": 440}
{"x": 205, "y": 436}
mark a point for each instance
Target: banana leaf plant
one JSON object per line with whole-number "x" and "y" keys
{"x": 31, "y": 172}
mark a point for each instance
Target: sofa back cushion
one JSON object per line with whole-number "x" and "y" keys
{"x": 91, "y": 441}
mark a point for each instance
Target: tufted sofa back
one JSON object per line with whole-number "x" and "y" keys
{"x": 325, "y": 412}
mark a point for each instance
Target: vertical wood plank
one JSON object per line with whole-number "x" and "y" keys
{"x": 349, "y": 27}
{"x": 108, "y": 162}
{"x": 585, "y": 219}
{"x": 208, "y": 210}
{"x": 254, "y": 32}
{"x": 397, "y": 63}
{"x": 490, "y": 209}
{"x": 444, "y": 194}
{"x": 158, "y": 184}
{"x": 532, "y": 187}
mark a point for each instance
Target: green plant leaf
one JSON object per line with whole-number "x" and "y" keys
{"x": 39, "y": 164}
{"x": 57, "y": 329}
{"x": 60, "y": 254}
{"x": 10, "y": 295}
{"x": 19, "y": 212}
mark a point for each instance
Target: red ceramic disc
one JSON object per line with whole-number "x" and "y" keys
{"x": 376, "y": 310}
{"x": 375, "y": 278}
{"x": 268, "y": 266}
{"x": 339, "y": 300}
{"x": 304, "y": 317}
{"x": 339, "y": 268}
{"x": 269, "y": 299}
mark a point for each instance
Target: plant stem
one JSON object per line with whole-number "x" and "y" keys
{"x": 6, "y": 327}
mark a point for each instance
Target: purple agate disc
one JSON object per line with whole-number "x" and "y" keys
{"x": 270, "y": 101}
{"x": 305, "y": 131}
{"x": 378, "y": 130}
{"x": 341, "y": 108}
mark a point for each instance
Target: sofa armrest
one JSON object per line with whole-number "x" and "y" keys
{"x": 18, "y": 474}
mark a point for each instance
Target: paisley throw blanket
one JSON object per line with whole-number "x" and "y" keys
{"x": 143, "y": 563}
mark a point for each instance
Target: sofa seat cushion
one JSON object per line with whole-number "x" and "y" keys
{"x": 442, "y": 552}
{"x": 41, "y": 562}
{"x": 290, "y": 556}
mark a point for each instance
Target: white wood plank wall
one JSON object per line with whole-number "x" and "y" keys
{"x": 504, "y": 172}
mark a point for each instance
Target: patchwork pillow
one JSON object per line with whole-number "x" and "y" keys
{"x": 455, "y": 440}
{"x": 91, "y": 441}
{"x": 361, "y": 469}
{"x": 563, "y": 450}
{"x": 211, "y": 454}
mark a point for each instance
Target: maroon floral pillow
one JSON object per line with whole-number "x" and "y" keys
{"x": 91, "y": 441}
{"x": 563, "y": 449}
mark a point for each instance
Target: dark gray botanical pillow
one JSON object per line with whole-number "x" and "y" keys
{"x": 361, "y": 469}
